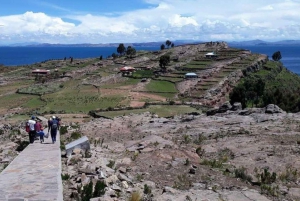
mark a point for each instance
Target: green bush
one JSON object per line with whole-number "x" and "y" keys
{"x": 290, "y": 175}
{"x": 135, "y": 196}
{"x": 87, "y": 192}
{"x": 147, "y": 189}
{"x": 99, "y": 189}
{"x": 63, "y": 130}
{"x": 242, "y": 174}
{"x": 182, "y": 182}
{"x": 111, "y": 164}
{"x": 75, "y": 135}
{"x": 65, "y": 176}
{"x": 22, "y": 145}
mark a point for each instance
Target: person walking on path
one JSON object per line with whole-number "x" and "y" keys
{"x": 31, "y": 129}
{"x": 53, "y": 126}
{"x": 39, "y": 130}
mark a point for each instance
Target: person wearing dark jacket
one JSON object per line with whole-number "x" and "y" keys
{"x": 53, "y": 127}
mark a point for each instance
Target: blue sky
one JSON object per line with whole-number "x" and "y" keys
{"x": 100, "y": 21}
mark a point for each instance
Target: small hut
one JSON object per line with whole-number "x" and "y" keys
{"x": 211, "y": 55}
{"x": 191, "y": 75}
{"x": 127, "y": 69}
{"x": 40, "y": 72}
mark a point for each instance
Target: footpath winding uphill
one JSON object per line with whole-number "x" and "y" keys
{"x": 34, "y": 175}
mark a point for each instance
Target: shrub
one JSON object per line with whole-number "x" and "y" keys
{"x": 147, "y": 189}
{"x": 99, "y": 189}
{"x": 187, "y": 162}
{"x": 290, "y": 174}
{"x": 171, "y": 102}
{"x": 200, "y": 151}
{"x": 186, "y": 139}
{"x": 242, "y": 174}
{"x": 269, "y": 190}
{"x": 75, "y": 135}
{"x": 135, "y": 196}
{"x": 87, "y": 154}
{"x": 22, "y": 145}
{"x": 213, "y": 163}
{"x": 65, "y": 176}
{"x": 267, "y": 177}
{"x": 200, "y": 139}
{"x": 87, "y": 192}
{"x": 62, "y": 145}
{"x": 63, "y": 130}
{"x": 111, "y": 164}
{"x": 182, "y": 182}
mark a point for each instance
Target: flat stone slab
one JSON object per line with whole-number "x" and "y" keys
{"x": 34, "y": 175}
{"x": 82, "y": 143}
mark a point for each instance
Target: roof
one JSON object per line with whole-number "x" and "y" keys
{"x": 210, "y": 54}
{"x": 126, "y": 68}
{"x": 191, "y": 74}
{"x": 40, "y": 71}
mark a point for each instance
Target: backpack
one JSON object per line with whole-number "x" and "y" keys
{"x": 54, "y": 125}
{"x": 27, "y": 127}
{"x": 31, "y": 127}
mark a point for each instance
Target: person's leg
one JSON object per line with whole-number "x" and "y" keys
{"x": 31, "y": 136}
{"x": 53, "y": 135}
{"x": 42, "y": 137}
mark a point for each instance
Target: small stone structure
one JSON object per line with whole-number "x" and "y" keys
{"x": 82, "y": 143}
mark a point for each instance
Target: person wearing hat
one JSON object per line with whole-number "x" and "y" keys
{"x": 31, "y": 128}
{"x": 53, "y": 127}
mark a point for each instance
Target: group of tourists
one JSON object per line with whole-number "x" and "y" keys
{"x": 35, "y": 129}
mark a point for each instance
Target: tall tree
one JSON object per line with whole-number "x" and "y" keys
{"x": 121, "y": 49}
{"x": 162, "y": 47}
{"x": 276, "y": 56}
{"x": 168, "y": 43}
{"x": 164, "y": 60}
{"x": 130, "y": 52}
{"x": 172, "y": 45}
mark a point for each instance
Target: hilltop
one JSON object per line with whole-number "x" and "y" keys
{"x": 158, "y": 133}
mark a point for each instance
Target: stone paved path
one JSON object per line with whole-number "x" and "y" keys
{"x": 34, "y": 175}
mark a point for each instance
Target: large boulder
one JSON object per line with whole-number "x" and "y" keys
{"x": 237, "y": 106}
{"x": 271, "y": 109}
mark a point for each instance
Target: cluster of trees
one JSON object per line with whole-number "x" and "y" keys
{"x": 121, "y": 50}
{"x": 248, "y": 92}
{"x": 252, "y": 91}
{"x": 168, "y": 43}
{"x": 288, "y": 100}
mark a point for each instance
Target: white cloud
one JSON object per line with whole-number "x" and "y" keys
{"x": 165, "y": 19}
{"x": 268, "y": 7}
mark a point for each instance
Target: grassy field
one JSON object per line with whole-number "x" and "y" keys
{"x": 18, "y": 100}
{"x": 75, "y": 97}
{"x": 143, "y": 74}
{"x": 160, "y": 110}
{"x": 128, "y": 81}
{"x": 42, "y": 88}
{"x": 15, "y": 86}
{"x": 161, "y": 86}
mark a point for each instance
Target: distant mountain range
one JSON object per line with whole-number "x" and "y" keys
{"x": 145, "y": 44}
{"x": 261, "y": 42}
{"x": 155, "y": 44}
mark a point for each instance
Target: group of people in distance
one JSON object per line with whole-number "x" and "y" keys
{"x": 34, "y": 128}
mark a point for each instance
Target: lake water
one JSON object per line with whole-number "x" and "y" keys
{"x": 13, "y": 56}
{"x": 290, "y": 54}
